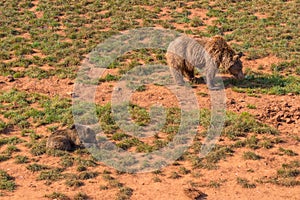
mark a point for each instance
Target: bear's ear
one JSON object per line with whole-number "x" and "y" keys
{"x": 237, "y": 56}
{"x": 240, "y": 54}
{"x": 218, "y": 38}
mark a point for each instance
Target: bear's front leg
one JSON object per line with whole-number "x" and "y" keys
{"x": 210, "y": 79}
{"x": 177, "y": 75}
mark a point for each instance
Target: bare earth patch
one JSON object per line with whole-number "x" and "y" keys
{"x": 254, "y": 166}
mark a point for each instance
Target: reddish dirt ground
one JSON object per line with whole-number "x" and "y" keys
{"x": 142, "y": 184}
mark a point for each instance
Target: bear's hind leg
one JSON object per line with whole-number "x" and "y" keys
{"x": 176, "y": 64}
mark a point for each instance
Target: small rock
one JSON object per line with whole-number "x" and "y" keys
{"x": 289, "y": 121}
{"x": 117, "y": 89}
{"x": 194, "y": 194}
{"x": 232, "y": 101}
{"x": 279, "y": 116}
{"x": 32, "y": 185}
{"x": 72, "y": 94}
{"x": 278, "y": 124}
{"x": 10, "y": 78}
{"x": 287, "y": 105}
{"x": 269, "y": 111}
{"x": 276, "y": 108}
{"x": 280, "y": 120}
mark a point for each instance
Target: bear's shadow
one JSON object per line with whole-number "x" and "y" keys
{"x": 252, "y": 82}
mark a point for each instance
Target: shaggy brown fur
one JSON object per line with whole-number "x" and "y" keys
{"x": 207, "y": 55}
{"x": 70, "y": 139}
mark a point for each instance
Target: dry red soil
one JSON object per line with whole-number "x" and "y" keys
{"x": 194, "y": 185}
{"x": 143, "y": 185}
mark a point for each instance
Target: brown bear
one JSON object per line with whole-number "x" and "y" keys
{"x": 78, "y": 136}
{"x": 185, "y": 54}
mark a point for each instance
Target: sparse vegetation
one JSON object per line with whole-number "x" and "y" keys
{"x": 124, "y": 193}
{"x": 67, "y": 161}
{"x": 81, "y": 196}
{"x": 241, "y": 125}
{"x": 57, "y": 195}
{"x": 21, "y": 159}
{"x": 36, "y": 167}
{"x": 245, "y": 183}
{"x": 251, "y": 156}
{"x": 174, "y": 175}
{"x": 6, "y": 181}
{"x": 156, "y": 179}
{"x": 87, "y": 175}
{"x": 286, "y": 175}
{"x": 74, "y": 183}
{"x": 212, "y": 184}
{"x": 4, "y": 157}
{"x": 43, "y": 44}
{"x": 288, "y": 152}
{"x": 51, "y": 175}
{"x": 250, "y": 106}
{"x": 266, "y": 84}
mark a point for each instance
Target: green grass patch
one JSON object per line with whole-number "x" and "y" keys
{"x": 286, "y": 173}
{"x": 266, "y": 84}
{"x": 4, "y": 157}
{"x": 124, "y": 193}
{"x": 19, "y": 159}
{"x": 249, "y": 155}
{"x": 51, "y": 175}
{"x": 109, "y": 78}
{"x": 36, "y": 167}
{"x": 10, "y": 140}
{"x": 67, "y": 161}
{"x": 74, "y": 183}
{"x": 288, "y": 152}
{"x": 139, "y": 115}
{"x": 87, "y": 175}
{"x": 251, "y": 106}
{"x": 81, "y": 196}
{"x": 11, "y": 149}
{"x": 57, "y": 195}
{"x": 19, "y": 111}
{"x": 239, "y": 125}
{"x": 6, "y": 181}
{"x": 38, "y": 148}
{"x": 245, "y": 183}
{"x": 286, "y": 176}
{"x": 3, "y": 127}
